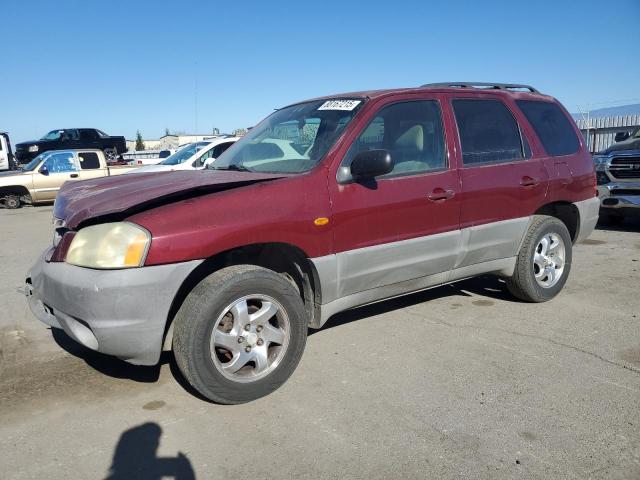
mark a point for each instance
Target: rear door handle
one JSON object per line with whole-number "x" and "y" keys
{"x": 529, "y": 181}
{"x": 74, "y": 175}
{"x": 440, "y": 194}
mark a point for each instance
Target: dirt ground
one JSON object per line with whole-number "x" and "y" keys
{"x": 462, "y": 381}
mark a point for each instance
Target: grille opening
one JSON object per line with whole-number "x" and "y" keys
{"x": 625, "y": 160}
{"x": 625, "y": 192}
{"x": 625, "y": 167}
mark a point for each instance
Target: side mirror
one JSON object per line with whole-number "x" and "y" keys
{"x": 371, "y": 163}
{"x": 43, "y": 170}
{"x": 621, "y": 136}
{"x": 209, "y": 161}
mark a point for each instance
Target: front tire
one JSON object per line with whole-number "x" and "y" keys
{"x": 544, "y": 261}
{"x": 240, "y": 334}
{"x": 12, "y": 202}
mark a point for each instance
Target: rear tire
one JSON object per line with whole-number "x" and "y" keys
{"x": 110, "y": 154}
{"x": 240, "y": 334}
{"x": 12, "y": 202}
{"x": 544, "y": 261}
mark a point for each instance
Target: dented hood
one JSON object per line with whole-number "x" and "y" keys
{"x": 128, "y": 194}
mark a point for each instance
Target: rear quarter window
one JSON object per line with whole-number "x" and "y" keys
{"x": 552, "y": 127}
{"x": 89, "y": 160}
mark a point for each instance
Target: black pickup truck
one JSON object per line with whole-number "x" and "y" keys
{"x": 72, "y": 138}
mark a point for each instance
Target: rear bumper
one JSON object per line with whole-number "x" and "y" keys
{"x": 117, "y": 312}
{"x": 619, "y": 195}
{"x": 589, "y": 212}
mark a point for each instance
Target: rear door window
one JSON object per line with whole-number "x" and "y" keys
{"x": 70, "y": 135}
{"x": 89, "y": 160}
{"x": 552, "y": 127}
{"x": 88, "y": 134}
{"x": 488, "y": 132}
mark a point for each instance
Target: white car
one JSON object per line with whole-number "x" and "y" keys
{"x": 194, "y": 156}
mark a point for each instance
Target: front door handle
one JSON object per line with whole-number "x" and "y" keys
{"x": 74, "y": 175}
{"x": 528, "y": 181}
{"x": 440, "y": 194}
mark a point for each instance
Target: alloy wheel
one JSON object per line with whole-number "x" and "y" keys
{"x": 549, "y": 260}
{"x": 250, "y": 338}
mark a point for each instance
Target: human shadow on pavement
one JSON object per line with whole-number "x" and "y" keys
{"x": 485, "y": 285}
{"x": 136, "y": 457}
{"x": 107, "y": 364}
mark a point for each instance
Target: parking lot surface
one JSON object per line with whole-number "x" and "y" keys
{"x": 461, "y": 381}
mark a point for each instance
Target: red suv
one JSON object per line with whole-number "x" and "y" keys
{"x": 325, "y": 205}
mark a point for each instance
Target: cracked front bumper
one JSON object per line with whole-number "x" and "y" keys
{"x": 117, "y": 312}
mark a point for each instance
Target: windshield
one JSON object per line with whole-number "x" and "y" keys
{"x": 53, "y": 135}
{"x": 636, "y": 134}
{"x": 291, "y": 140}
{"x": 184, "y": 154}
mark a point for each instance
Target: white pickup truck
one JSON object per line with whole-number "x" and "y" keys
{"x": 40, "y": 179}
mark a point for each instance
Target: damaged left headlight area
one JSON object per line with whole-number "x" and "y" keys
{"x": 109, "y": 246}
{"x": 59, "y": 229}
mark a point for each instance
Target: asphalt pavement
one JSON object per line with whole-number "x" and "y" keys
{"x": 461, "y": 381}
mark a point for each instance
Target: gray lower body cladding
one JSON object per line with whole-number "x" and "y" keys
{"x": 357, "y": 277}
{"x": 118, "y": 312}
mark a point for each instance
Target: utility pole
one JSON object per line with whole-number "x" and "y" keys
{"x": 195, "y": 98}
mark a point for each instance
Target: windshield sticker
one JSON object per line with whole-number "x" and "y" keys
{"x": 347, "y": 105}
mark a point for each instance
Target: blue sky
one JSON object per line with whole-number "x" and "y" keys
{"x": 127, "y": 65}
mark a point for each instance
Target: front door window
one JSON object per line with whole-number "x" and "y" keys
{"x": 61, "y": 162}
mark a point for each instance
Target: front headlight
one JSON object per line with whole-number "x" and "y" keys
{"x": 34, "y": 148}
{"x": 600, "y": 160}
{"x": 109, "y": 245}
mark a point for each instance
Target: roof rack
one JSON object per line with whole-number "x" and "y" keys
{"x": 495, "y": 86}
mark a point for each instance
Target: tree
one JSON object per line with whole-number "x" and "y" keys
{"x": 139, "y": 141}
